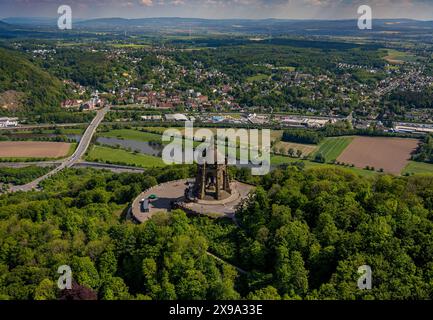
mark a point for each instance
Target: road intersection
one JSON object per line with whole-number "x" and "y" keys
{"x": 69, "y": 162}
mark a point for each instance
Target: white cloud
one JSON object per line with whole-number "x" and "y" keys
{"x": 146, "y": 3}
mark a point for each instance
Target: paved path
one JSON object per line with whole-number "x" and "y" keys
{"x": 223, "y": 261}
{"x": 72, "y": 160}
{"x": 112, "y": 167}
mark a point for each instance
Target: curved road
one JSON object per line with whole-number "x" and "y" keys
{"x": 69, "y": 162}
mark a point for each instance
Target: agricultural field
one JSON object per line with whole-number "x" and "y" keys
{"x": 417, "y": 168}
{"x": 399, "y": 57}
{"x": 122, "y": 157}
{"x": 34, "y": 149}
{"x": 306, "y": 149}
{"x": 130, "y": 46}
{"x": 331, "y": 148}
{"x": 390, "y": 154}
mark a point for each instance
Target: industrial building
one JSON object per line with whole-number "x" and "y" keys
{"x": 8, "y": 122}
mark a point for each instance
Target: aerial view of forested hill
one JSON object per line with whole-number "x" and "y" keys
{"x": 25, "y": 86}
{"x": 302, "y": 236}
{"x": 216, "y": 159}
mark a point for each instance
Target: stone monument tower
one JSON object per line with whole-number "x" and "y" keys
{"x": 212, "y": 181}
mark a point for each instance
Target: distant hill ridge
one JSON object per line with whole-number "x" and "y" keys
{"x": 134, "y": 21}
{"x": 47, "y": 27}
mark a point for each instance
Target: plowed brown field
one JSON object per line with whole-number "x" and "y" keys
{"x": 33, "y": 149}
{"x": 389, "y": 154}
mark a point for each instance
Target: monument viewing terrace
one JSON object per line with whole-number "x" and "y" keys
{"x": 211, "y": 193}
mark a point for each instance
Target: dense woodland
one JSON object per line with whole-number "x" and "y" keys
{"x": 302, "y": 136}
{"x": 303, "y": 235}
{"x": 35, "y": 89}
{"x": 425, "y": 150}
{"x": 20, "y": 176}
{"x": 409, "y": 100}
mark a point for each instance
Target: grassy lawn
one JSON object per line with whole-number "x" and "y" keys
{"x": 72, "y": 149}
{"x": 73, "y": 131}
{"x": 331, "y": 148}
{"x": 160, "y": 130}
{"x": 290, "y": 69}
{"x": 306, "y": 149}
{"x": 258, "y": 77}
{"x": 130, "y": 134}
{"x": 122, "y": 157}
{"x": 417, "y": 168}
{"x": 279, "y": 160}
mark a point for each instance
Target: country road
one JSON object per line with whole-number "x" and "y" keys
{"x": 69, "y": 162}
{"x": 111, "y": 167}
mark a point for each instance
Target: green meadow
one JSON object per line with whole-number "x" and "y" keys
{"x": 418, "y": 168}
{"x": 131, "y": 134}
{"x": 122, "y": 157}
{"x": 331, "y": 148}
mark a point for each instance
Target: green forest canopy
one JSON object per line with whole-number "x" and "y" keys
{"x": 42, "y": 92}
{"x": 303, "y": 235}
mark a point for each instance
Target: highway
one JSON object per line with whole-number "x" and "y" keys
{"x": 69, "y": 162}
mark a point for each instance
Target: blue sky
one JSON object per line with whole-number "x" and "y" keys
{"x": 253, "y": 9}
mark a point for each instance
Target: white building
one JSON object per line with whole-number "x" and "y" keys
{"x": 413, "y": 129}
{"x": 151, "y": 117}
{"x": 8, "y": 122}
{"x": 317, "y": 123}
{"x": 176, "y": 117}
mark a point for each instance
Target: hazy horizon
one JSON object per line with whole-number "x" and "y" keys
{"x": 220, "y": 9}
{"x": 186, "y": 17}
